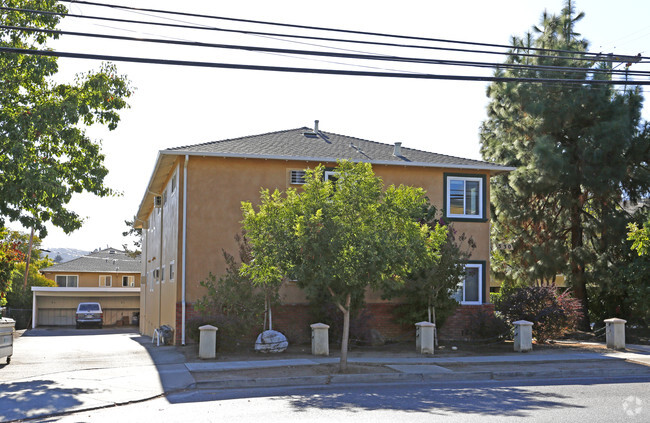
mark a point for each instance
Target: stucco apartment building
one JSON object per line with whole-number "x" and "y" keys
{"x": 110, "y": 277}
{"x": 191, "y": 211}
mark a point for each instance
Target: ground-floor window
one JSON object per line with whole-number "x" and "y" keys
{"x": 470, "y": 288}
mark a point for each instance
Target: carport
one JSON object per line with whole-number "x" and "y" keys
{"x": 56, "y": 306}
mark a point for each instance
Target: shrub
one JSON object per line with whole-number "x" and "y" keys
{"x": 232, "y": 333}
{"x": 486, "y": 326}
{"x": 551, "y": 312}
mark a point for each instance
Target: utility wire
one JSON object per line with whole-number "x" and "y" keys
{"x": 315, "y": 70}
{"x": 576, "y": 55}
{"x": 416, "y": 60}
{"x": 319, "y": 28}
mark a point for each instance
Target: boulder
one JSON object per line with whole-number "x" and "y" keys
{"x": 271, "y": 341}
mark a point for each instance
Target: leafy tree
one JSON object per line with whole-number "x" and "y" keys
{"x": 427, "y": 290}
{"x": 640, "y": 237}
{"x": 45, "y": 154}
{"x": 340, "y": 236}
{"x": 579, "y": 149}
{"x": 137, "y": 243}
{"x": 19, "y": 295}
{"x": 10, "y": 254}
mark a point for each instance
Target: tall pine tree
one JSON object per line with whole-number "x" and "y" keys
{"x": 579, "y": 149}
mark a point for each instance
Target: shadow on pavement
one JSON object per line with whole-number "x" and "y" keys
{"x": 37, "y": 397}
{"x": 491, "y": 401}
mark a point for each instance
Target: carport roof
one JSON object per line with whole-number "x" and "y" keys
{"x": 109, "y": 260}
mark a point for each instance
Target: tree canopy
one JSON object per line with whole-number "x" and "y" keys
{"x": 45, "y": 154}
{"x": 340, "y": 236}
{"x": 579, "y": 150}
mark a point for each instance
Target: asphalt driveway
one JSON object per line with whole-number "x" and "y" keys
{"x": 55, "y": 370}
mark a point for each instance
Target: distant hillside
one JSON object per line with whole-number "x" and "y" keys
{"x": 66, "y": 254}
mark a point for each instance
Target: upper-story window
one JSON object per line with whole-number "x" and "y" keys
{"x": 128, "y": 281}
{"x": 67, "y": 281}
{"x": 105, "y": 280}
{"x": 465, "y": 196}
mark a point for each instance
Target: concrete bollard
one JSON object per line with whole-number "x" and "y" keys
{"x": 208, "y": 341}
{"x": 424, "y": 337}
{"x": 523, "y": 336}
{"x": 615, "y": 333}
{"x": 320, "y": 344}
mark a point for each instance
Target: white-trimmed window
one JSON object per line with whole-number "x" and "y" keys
{"x": 105, "y": 280}
{"x": 162, "y": 274}
{"x": 465, "y": 196}
{"x": 330, "y": 175}
{"x": 128, "y": 281}
{"x": 470, "y": 289}
{"x": 171, "y": 271}
{"x": 298, "y": 177}
{"x": 67, "y": 281}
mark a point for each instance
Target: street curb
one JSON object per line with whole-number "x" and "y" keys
{"x": 346, "y": 379}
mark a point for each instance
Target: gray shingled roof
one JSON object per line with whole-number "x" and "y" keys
{"x": 109, "y": 260}
{"x": 305, "y": 144}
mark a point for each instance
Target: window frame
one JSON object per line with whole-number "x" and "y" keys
{"x": 482, "y": 298}
{"x": 67, "y": 278}
{"x": 130, "y": 281}
{"x": 108, "y": 278}
{"x": 482, "y": 200}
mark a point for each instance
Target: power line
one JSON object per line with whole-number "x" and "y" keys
{"x": 416, "y": 60}
{"x": 346, "y": 31}
{"x": 576, "y": 55}
{"x": 315, "y": 70}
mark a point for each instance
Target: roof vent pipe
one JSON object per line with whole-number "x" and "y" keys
{"x": 316, "y": 126}
{"x": 398, "y": 149}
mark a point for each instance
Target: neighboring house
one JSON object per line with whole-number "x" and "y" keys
{"x": 191, "y": 211}
{"x": 110, "y": 277}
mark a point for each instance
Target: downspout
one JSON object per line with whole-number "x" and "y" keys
{"x": 183, "y": 310}
{"x": 160, "y": 262}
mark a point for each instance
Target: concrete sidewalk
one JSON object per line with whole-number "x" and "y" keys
{"x": 304, "y": 370}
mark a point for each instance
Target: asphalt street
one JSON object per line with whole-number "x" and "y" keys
{"x": 612, "y": 400}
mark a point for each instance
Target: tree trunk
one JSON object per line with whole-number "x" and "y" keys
{"x": 343, "y": 366}
{"x": 577, "y": 265}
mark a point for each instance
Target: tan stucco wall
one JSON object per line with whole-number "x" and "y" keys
{"x": 216, "y": 188}
{"x": 91, "y": 279}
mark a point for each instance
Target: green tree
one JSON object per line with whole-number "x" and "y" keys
{"x": 19, "y": 295}
{"x": 10, "y": 254}
{"x": 640, "y": 237}
{"x": 340, "y": 236}
{"x": 45, "y": 154}
{"x": 579, "y": 150}
{"x": 428, "y": 290}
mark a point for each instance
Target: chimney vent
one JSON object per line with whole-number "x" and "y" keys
{"x": 398, "y": 149}
{"x": 316, "y": 126}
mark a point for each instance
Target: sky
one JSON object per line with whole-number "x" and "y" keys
{"x": 176, "y": 106}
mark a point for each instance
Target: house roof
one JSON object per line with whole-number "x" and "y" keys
{"x": 306, "y": 144}
{"x": 109, "y": 260}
